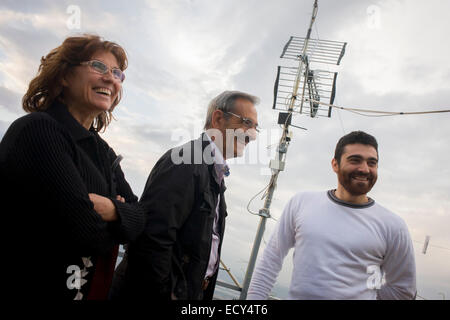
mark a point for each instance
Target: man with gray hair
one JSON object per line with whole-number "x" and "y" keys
{"x": 178, "y": 254}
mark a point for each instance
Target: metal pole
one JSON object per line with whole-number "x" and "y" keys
{"x": 264, "y": 214}
{"x": 281, "y": 151}
{"x": 230, "y": 274}
{"x": 252, "y": 262}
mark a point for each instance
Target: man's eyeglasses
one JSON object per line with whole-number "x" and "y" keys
{"x": 102, "y": 68}
{"x": 246, "y": 121}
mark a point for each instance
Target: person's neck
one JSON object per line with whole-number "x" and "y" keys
{"x": 344, "y": 195}
{"x": 83, "y": 116}
{"x": 219, "y": 149}
{"x": 219, "y": 144}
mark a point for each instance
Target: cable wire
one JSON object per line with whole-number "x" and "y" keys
{"x": 248, "y": 204}
{"x": 377, "y": 112}
{"x": 432, "y": 245}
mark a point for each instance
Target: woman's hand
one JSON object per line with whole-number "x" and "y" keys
{"x": 105, "y": 207}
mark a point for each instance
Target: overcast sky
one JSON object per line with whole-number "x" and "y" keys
{"x": 183, "y": 53}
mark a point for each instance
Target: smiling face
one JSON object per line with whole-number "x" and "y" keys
{"x": 236, "y": 134}
{"x": 89, "y": 91}
{"x": 357, "y": 171}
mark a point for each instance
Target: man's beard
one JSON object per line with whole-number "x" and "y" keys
{"x": 355, "y": 187}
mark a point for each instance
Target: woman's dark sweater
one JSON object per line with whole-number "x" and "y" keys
{"x": 53, "y": 239}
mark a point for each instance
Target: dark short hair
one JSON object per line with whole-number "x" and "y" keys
{"x": 352, "y": 138}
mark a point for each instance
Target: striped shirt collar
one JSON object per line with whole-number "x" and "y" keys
{"x": 332, "y": 196}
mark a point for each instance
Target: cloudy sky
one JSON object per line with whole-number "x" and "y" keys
{"x": 182, "y": 53}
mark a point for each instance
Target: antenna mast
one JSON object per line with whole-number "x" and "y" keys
{"x": 318, "y": 83}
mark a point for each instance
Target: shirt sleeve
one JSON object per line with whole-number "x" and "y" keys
{"x": 271, "y": 261}
{"x": 399, "y": 269}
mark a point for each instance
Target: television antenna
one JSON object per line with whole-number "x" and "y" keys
{"x": 297, "y": 90}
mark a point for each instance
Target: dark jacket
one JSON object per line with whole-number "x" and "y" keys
{"x": 48, "y": 165}
{"x": 172, "y": 254}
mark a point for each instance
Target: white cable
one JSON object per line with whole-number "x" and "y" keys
{"x": 248, "y": 204}
{"x": 377, "y": 112}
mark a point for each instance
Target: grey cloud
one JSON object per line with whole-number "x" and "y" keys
{"x": 10, "y": 100}
{"x": 25, "y": 6}
{"x": 3, "y": 127}
{"x": 158, "y": 136}
{"x": 23, "y": 36}
{"x": 413, "y": 149}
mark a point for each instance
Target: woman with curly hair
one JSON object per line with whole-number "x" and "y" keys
{"x": 72, "y": 206}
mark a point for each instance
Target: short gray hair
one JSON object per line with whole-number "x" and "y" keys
{"x": 225, "y": 102}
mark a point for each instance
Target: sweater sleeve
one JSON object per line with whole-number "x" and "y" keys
{"x": 269, "y": 265}
{"x": 44, "y": 154}
{"x": 399, "y": 268}
{"x": 131, "y": 215}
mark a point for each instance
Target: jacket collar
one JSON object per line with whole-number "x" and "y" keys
{"x": 220, "y": 165}
{"x": 60, "y": 113}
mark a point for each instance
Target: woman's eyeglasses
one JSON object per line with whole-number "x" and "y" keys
{"x": 102, "y": 68}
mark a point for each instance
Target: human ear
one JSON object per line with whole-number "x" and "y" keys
{"x": 66, "y": 78}
{"x": 217, "y": 119}
{"x": 335, "y": 165}
{"x": 64, "y": 81}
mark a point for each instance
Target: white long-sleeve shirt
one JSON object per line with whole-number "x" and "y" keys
{"x": 341, "y": 251}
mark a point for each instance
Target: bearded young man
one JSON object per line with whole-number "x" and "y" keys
{"x": 346, "y": 246}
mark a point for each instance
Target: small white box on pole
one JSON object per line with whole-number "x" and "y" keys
{"x": 277, "y": 165}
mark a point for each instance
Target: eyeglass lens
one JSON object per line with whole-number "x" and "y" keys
{"x": 102, "y": 68}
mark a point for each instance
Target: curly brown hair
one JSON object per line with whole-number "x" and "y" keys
{"x": 47, "y": 86}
